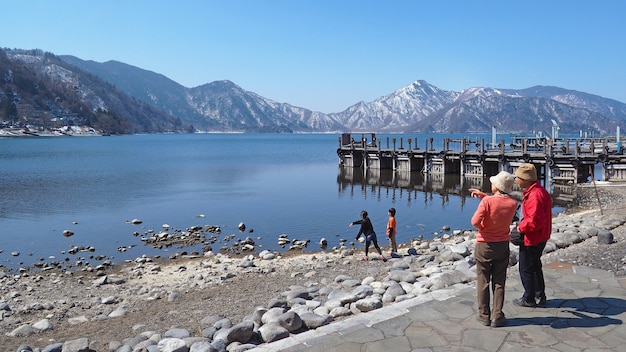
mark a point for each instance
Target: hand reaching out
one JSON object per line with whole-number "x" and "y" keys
{"x": 475, "y": 193}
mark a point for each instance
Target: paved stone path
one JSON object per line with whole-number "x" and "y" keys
{"x": 586, "y": 310}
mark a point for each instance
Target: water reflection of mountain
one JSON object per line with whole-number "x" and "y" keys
{"x": 413, "y": 185}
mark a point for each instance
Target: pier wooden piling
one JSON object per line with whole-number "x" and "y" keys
{"x": 562, "y": 160}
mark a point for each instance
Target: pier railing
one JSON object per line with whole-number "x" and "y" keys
{"x": 563, "y": 160}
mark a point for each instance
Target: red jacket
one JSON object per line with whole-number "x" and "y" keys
{"x": 536, "y": 224}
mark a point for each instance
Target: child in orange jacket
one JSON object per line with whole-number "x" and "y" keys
{"x": 391, "y": 230}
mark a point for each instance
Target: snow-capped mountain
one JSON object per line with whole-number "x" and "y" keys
{"x": 40, "y": 90}
{"x": 421, "y": 107}
{"x": 215, "y": 106}
{"x": 397, "y": 111}
{"x": 228, "y": 106}
{"x": 155, "y": 103}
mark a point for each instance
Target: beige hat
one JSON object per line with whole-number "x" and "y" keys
{"x": 503, "y": 181}
{"x": 526, "y": 172}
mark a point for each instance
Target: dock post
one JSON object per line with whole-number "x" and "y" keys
{"x": 410, "y": 155}
{"x": 548, "y": 173}
{"x": 549, "y": 161}
{"x": 425, "y": 168}
{"x": 444, "y": 157}
{"x": 502, "y": 157}
{"x": 379, "y": 152}
{"x": 365, "y": 158}
{"x": 394, "y": 156}
{"x": 461, "y": 159}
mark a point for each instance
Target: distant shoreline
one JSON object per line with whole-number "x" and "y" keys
{"x": 74, "y": 131}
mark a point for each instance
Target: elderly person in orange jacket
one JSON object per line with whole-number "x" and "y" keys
{"x": 493, "y": 218}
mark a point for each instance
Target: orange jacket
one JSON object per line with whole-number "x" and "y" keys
{"x": 493, "y": 218}
{"x": 391, "y": 226}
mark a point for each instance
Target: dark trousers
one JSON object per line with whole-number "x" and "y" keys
{"x": 531, "y": 272}
{"x": 492, "y": 260}
{"x": 369, "y": 239}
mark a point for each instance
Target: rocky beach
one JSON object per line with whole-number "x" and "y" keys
{"x": 217, "y": 302}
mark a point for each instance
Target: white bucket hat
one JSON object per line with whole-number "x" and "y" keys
{"x": 503, "y": 181}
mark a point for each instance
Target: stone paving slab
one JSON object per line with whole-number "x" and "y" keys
{"x": 586, "y": 310}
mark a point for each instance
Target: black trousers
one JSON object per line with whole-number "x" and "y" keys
{"x": 531, "y": 272}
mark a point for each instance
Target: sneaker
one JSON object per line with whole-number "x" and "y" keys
{"x": 365, "y": 258}
{"x": 500, "y": 322}
{"x": 542, "y": 302}
{"x": 520, "y": 302}
{"x": 382, "y": 257}
{"x": 485, "y": 322}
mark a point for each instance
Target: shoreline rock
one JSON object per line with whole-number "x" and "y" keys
{"x": 239, "y": 303}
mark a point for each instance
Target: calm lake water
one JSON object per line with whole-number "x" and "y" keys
{"x": 274, "y": 183}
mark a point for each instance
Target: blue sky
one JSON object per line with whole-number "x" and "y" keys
{"x": 328, "y": 55}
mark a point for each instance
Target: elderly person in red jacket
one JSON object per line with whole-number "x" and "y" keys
{"x": 536, "y": 225}
{"x": 493, "y": 218}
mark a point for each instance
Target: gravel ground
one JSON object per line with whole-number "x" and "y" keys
{"x": 178, "y": 302}
{"x": 234, "y": 294}
{"x": 610, "y": 199}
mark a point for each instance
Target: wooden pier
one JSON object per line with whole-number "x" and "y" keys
{"x": 560, "y": 160}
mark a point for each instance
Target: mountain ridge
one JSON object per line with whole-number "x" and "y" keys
{"x": 422, "y": 107}
{"x": 155, "y": 103}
